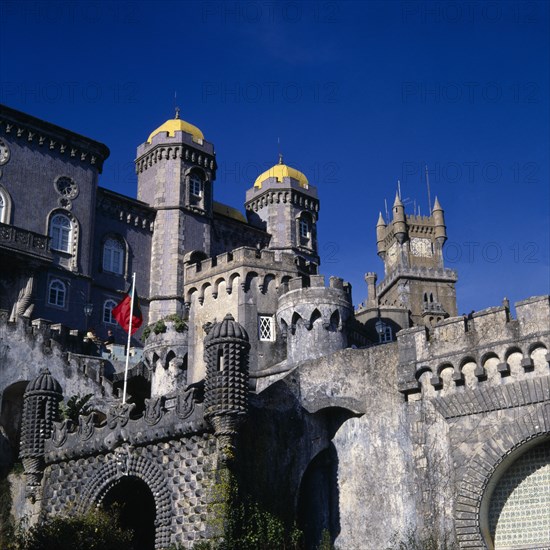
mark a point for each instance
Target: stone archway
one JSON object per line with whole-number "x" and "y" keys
{"x": 123, "y": 464}
{"x": 484, "y": 471}
{"x": 318, "y": 500}
{"x": 136, "y": 506}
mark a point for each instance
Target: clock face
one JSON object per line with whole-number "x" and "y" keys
{"x": 421, "y": 247}
{"x": 4, "y": 152}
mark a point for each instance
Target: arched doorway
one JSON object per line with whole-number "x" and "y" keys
{"x": 519, "y": 509}
{"x": 318, "y": 500}
{"x": 137, "y": 509}
{"x": 10, "y": 423}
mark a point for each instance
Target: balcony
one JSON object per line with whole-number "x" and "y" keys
{"x": 28, "y": 243}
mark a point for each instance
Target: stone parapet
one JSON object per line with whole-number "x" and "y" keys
{"x": 489, "y": 334}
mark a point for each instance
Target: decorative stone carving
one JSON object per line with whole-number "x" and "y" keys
{"x": 154, "y": 410}
{"x": 60, "y": 432}
{"x": 119, "y": 415}
{"x": 185, "y": 403}
{"x": 86, "y": 426}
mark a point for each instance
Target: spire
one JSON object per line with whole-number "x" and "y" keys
{"x": 280, "y": 158}
{"x": 381, "y": 221}
{"x": 397, "y": 201}
{"x": 177, "y": 113}
{"x": 437, "y": 206}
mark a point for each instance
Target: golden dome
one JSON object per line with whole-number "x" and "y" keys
{"x": 281, "y": 171}
{"x": 177, "y": 125}
{"x": 229, "y": 211}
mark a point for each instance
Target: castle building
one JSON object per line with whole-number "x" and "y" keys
{"x": 400, "y": 417}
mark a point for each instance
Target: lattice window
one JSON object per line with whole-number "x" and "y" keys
{"x": 265, "y": 328}
{"x": 519, "y": 514}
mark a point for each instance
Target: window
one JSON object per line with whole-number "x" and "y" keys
{"x": 304, "y": 228}
{"x": 2, "y": 208}
{"x": 265, "y": 329}
{"x": 66, "y": 187}
{"x": 386, "y": 336}
{"x": 113, "y": 256}
{"x": 57, "y": 293}
{"x": 108, "y": 312}
{"x": 195, "y": 185}
{"x": 61, "y": 233}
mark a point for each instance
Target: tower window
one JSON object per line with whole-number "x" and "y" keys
{"x": 61, "y": 232}
{"x": 304, "y": 229}
{"x": 108, "y": 318}
{"x": 113, "y": 256}
{"x": 57, "y": 293}
{"x": 265, "y": 328}
{"x": 387, "y": 335}
{"x": 195, "y": 185}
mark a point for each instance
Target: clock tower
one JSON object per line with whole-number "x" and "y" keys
{"x": 415, "y": 277}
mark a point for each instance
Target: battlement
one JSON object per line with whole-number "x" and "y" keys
{"x": 483, "y": 342}
{"x": 421, "y": 273}
{"x": 241, "y": 266}
{"x": 55, "y": 345}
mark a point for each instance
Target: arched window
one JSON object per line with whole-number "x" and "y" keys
{"x": 113, "y": 256}
{"x": 195, "y": 185}
{"x": 57, "y": 293}
{"x": 5, "y": 206}
{"x": 61, "y": 233}
{"x": 108, "y": 306}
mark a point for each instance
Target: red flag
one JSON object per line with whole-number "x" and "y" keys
{"x": 121, "y": 312}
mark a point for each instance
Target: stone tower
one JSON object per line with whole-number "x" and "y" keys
{"x": 176, "y": 168}
{"x": 415, "y": 276}
{"x": 283, "y": 203}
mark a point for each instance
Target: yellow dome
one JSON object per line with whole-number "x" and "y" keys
{"x": 177, "y": 125}
{"x": 281, "y": 171}
{"x": 229, "y": 211}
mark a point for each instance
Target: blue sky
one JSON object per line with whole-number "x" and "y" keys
{"x": 360, "y": 94}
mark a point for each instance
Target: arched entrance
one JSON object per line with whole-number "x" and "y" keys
{"x": 519, "y": 510}
{"x": 137, "y": 509}
{"x": 10, "y": 423}
{"x": 318, "y": 500}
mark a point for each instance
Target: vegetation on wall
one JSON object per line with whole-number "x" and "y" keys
{"x": 239, "y": 523}
{"x": 180, "y": 325}
{"x": 76, "y": 406}
{"x": 95, "y": 530}
{"x": 5, "y": 511}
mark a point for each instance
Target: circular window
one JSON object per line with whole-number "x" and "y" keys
{"x": 4, "y": 152}
{"x": 66, "y": 187}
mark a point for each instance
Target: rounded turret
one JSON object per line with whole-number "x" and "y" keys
{"x": 399, "y": 222}
{"x": 439, "y": 222}
{"x": 380, "y": 235}
{"x": 226, "y": 348}
{"x": 313, "y": 317}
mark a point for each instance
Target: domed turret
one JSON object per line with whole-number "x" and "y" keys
{"x": 226, "y": 350}
{"x": 40, "y": 409}
{"x": 176, "y": 124}
{"x": 279, "y": 172}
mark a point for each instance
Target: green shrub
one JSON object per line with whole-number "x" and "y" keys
{"x": 95, "y": 530}
{"x": 75, "y": 407}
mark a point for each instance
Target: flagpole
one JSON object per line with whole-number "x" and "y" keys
{"x": 129, "y": 338}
